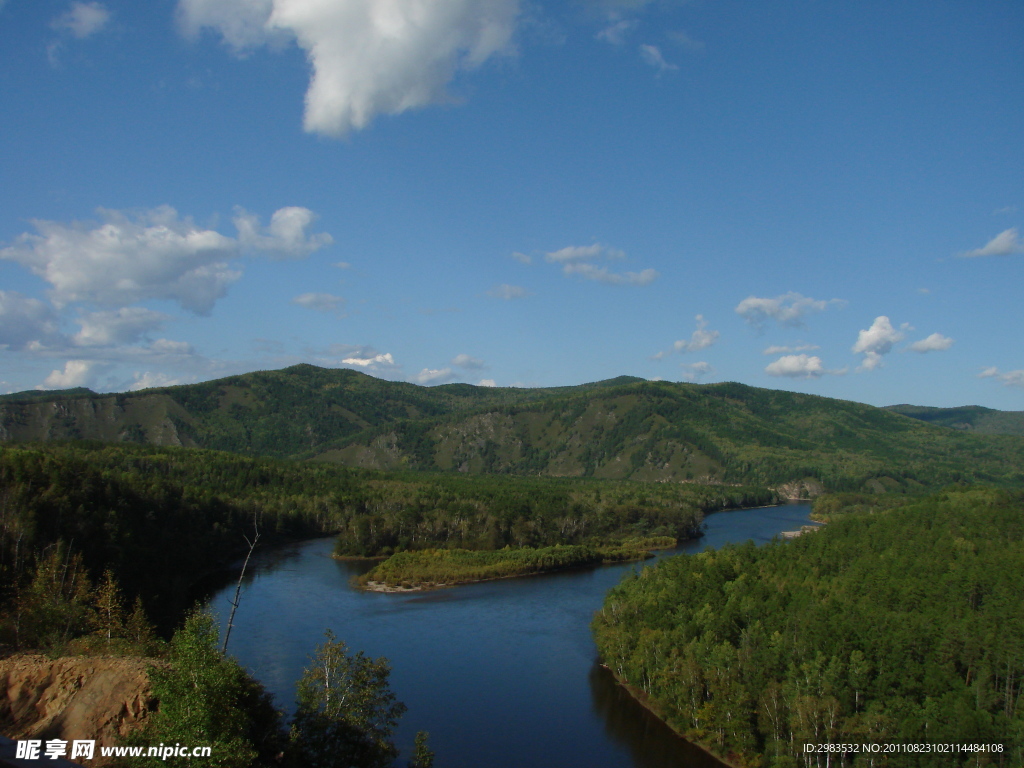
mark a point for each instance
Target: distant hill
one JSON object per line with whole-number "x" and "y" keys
{"x": 967, "y": 418}
{"x": 626, "y": 428}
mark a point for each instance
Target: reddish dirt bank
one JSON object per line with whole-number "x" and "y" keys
{"x": 78, "y": 697}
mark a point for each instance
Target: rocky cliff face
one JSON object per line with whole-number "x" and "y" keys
{"x": 101, "y": 698}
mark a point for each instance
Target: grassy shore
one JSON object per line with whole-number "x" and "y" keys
{"x": 426, "y": 568}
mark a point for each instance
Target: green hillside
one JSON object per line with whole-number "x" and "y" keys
{"x": 967, "y": 418}
{"x": 623, "y": 428}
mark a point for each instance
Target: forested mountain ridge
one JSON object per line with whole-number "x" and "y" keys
{"x": 967, "y": 418}
{"x": 624, "y": 428}
{"x": 266, "y": 413}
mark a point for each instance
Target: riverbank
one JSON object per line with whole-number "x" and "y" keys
{"x": 642, "y": 699}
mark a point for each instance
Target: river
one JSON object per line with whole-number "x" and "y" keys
{"x": 502, "y": 674}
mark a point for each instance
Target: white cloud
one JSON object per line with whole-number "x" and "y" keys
{"x": 1005, "y": 243}
{"x": 368, "y": 360}
{"x": 686, "y": 42}
{"x": 604, "y": 275}
{"x": 369, "y": 57}
{"x": 934, "y": 343}
{"x": 788, "y": 309}
{"x": 242, "y": 23}
{"x": 797, "y": 367}
{"x": 76, "y": 373}
{"x": 696, "y": 371}
{"x": 700, "y": 339}
{"x": 875, "y": 342}
{"x": 577, "y": 253}
{"x": 82, "y": 20}
{"x": 285, "y": 237}
{"x": 149, "y": 379}
{"x": 577, "y": 260}
{"x": 487, "y": 383}
{"x": 468, "y": 362}
{"x": 440, "y": 376}
{"x": 169, "y": 347}
{"x": 1009, "y": 378}
{"x": 778, "y": 350}
{"x": 321, "y": 302}
{"x": 125, "y": 326}
{"x": 615, "y": 33}
{"x": 508, "y": 292}
{"x": 25, "y": 321}
{"x": 651, "y": 54}
{"x": 522, "y": 258}
{"x": 153, "y": 255}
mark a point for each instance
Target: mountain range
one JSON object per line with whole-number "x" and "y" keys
{"x": 626, "y": 427}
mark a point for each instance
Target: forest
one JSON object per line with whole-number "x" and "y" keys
{"x": 158, "y": 519}
{"x": 898, "y": 621}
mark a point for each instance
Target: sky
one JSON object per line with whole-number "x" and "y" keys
{"x": 809, "y": 195}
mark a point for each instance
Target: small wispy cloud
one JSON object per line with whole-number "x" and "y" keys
{"x": 82, "y": 20}
{"x": 579, "y": 261}
{"x": 700, "y": 339}
{"x": 1005, "y": 243}
{"x": 785, "y": 350}
{"x": 468, "y": 362}
{"x": 934, "y": 343}
{"x": 680, "y": 38}
{"x": 581, "y": 253}
{"x": 507, "y": 292}
{"x": 800, "y": 367}
{"x": 696, "y": 371}
{"x": 429, "y": 376}
{"x": 1008, "y": 378}
{"x": 616, "y": 32}
{"x": 652, "y": 55}
{"x": 369, "y": 361}
{"x": 790, "y": 309}
{"x": 875, "y": 342}
{"x": 320, "y": 302}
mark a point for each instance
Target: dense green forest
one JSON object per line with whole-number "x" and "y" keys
{"x": 160, "y": 518}
{"x": 898, "y": 622}
{"x": 624, "y": 428}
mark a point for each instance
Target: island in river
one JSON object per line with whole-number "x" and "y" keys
{"x": 432, "y": 568}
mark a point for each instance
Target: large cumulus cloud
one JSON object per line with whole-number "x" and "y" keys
{"x": 368, "y": 57}
{"x": 131, "y": 257}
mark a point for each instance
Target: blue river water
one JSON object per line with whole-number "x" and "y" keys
{"x": 502, "y": 674}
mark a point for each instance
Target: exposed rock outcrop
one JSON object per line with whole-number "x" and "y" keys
{"x": 77, "y": 697}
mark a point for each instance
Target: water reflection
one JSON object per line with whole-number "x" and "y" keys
{"x": 650, "y": 742}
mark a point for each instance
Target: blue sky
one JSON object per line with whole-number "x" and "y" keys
{"x": 816, "y": 196}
